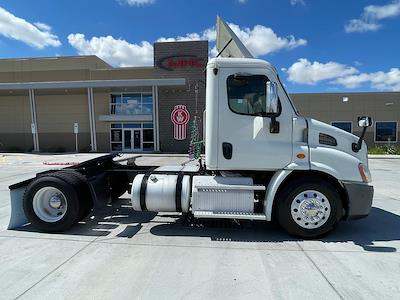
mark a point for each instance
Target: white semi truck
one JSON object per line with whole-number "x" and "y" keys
{"x": 263, "y": 161}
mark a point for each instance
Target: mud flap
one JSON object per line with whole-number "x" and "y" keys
{"x": 18, "y": 217}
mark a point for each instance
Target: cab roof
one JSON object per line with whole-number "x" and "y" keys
{"x": 230, "y": 62}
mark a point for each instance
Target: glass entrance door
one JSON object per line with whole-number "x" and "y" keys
{"x": 127, "y": 140}
{"x": 137, "y": 139}
{"x": 132, "y": 140}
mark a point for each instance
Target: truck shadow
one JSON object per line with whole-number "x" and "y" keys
{"x": 120, "y": 221}
{"x": 379, "y": 226}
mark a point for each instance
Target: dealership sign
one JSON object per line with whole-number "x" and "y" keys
{"x": 175, "y": 62}
{"x": 180, "y": 117}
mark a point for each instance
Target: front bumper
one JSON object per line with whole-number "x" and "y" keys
{"x": 360, "y": 199}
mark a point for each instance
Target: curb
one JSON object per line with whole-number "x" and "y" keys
{"x": 383, "y": 156}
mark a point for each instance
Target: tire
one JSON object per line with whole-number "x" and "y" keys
{"x": 81, "y": 186}
{"x": 36, "y": 204}
{"x": 309, "y": 208}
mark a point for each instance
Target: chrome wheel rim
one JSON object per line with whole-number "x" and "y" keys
{"x": 49, "y": 204}
{"x": 310, "y": 209}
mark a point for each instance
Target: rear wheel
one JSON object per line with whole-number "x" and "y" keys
{"x": 79, "y": 182}
{"x": 309, "y": 208}
{"x": 51, "y": 204}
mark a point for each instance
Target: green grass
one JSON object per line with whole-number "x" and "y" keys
{"x": 385, "y": 149}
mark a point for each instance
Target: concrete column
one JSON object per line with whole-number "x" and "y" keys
{"x": 34, "y": 124}
{"x": 92, "y": 120}
{"x": 156, "y": 119}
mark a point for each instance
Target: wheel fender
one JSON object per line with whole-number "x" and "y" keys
{"x": 17, "y": 215}
{"x": 272, "y": 188}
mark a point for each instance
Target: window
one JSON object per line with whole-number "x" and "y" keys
{"x": 131, "y": 104}
{"x": 346, "y": 126}
{"x": 246, "y": 94}
{"x": 385, "y": 131}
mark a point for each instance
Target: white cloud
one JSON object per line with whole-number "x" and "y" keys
{"x": 115, "y": 51}
{"x": 305, "y": 72}
{"x": 242, "y": 1}
{"x": 356, "y": 25}
{"x": 384, "y": 11}
{"x": 260, "y": 40}
{"x": 136, "y": 2}
{"x": 209, "y": 34}
{"x": 379, "y": 80}
{"x": 42, "y": 26}
{"x": 263, "y": 40}
{"x": 294, "y": 2}
{"x": 372, "y": 14}
{"x": 36, "y": 35}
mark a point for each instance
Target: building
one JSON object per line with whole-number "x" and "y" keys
{"x": 342, "y": 109}
{"x": 62, "y": 103}
{"x": 47, "y": 104}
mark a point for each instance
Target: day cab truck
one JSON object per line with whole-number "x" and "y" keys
{"x": 263, "y": 161}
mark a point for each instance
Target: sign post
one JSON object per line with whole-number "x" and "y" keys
{"x": 76, "y": 131}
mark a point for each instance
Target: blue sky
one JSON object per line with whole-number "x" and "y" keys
{"x": 317, "y": 45}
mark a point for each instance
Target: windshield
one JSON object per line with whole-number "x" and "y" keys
{"x": 287, "y": 95}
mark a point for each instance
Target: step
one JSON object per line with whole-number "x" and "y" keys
{"x": 231, "y": 187}
{"x": 229, "y": 215}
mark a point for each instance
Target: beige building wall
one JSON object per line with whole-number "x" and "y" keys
{"x": 58, "y": 110}
{"x": 102, "y": 107}
{"x": 15, "y": 123}
{"x": 330, "y": 107}
{"x": 56, "y": 114}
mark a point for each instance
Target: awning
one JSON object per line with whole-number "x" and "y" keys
{"x": 93, "y": 84}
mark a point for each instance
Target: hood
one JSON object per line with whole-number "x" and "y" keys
{"x": 324, "y": 135}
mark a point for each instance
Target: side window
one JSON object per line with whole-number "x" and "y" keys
{"x": 246, "y": 94}
{"x": 346, "y": 126}
{"x": 386, "y": 131}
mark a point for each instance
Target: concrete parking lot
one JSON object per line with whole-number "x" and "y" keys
{"x": 121, "y": 254}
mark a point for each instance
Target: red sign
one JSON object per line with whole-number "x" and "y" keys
{"x": 171, "y": 63}
{"x": 180, "y": 117}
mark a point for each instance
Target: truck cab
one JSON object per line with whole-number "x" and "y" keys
{"x": 253, "y": 126}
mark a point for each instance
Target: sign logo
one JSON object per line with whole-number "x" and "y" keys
{"x": 180, "y": 117}
{"x": 174, "y": 62}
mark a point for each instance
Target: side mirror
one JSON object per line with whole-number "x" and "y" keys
{"x": 364, "y": 121}
{"x": 272, "y": 103}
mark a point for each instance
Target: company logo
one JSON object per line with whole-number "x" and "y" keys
{"x": 174, "y": 62}
{"x": 180, "y": 117}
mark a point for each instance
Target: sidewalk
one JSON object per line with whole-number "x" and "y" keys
{"x": 383, "y": 156}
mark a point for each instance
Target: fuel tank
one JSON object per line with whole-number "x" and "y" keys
{"x": 161, "y": 193}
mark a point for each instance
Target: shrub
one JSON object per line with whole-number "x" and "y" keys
{"x": 385, "y": 149}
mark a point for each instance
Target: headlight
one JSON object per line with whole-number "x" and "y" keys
{"x": 364, "y": 172}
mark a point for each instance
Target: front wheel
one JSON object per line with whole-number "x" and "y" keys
{"x": 309, "y": 208}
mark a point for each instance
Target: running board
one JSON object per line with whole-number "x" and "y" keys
{"x": 231, "y": 187}
{"x": 229, "y": 215}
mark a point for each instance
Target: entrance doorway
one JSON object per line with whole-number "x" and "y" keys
{"x": 132, "y": 140}
{"x": 132, "y": 137}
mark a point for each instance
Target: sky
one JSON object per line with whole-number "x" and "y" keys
{"x": 316, "y": 45}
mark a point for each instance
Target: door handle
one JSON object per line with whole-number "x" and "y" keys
{"x": 227, "y": 150}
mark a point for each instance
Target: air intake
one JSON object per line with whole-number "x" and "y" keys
{"x": 326, "y": 139}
